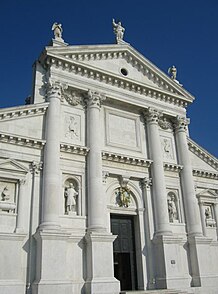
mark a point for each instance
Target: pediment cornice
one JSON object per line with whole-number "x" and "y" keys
{"x": 203, "y": 154}
{"x": 22, "y": 111}
{"x": 74, "y": 59}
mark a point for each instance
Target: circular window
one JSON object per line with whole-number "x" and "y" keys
{"x": 124, "y": 71}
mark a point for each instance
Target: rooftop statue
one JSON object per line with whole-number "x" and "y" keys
{"x": 119, "y": 32}
{"x": 172, "y": 71}
{"x": 57, "y": 28}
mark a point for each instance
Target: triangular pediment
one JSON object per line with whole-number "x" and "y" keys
{"x": 202, "y": 159}
{"x": 120, "y": 61}
{"x": 208, "y": 193}
{"x": 11, "y": 165}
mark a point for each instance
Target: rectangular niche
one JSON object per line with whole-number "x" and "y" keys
{"x": 8, "y": 191}
{"x": 123, "y": 130}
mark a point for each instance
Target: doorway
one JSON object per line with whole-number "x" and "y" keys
{"x": 124, "y": 251}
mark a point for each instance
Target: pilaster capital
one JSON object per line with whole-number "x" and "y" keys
{"x": 146, "y": 183}
{"x": 151, "y": 115}
{"x": 181, "y": 123}
{"x": 22, "y": 182}
{"x": 36, "y": 167}
{"x": 105, "y": 175}
{"x": 55, "y": 89}
{"x": 94, "y": 98}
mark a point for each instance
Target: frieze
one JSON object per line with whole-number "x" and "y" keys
{"x": 102, "y": 76}
{"x": 73, "y": 97}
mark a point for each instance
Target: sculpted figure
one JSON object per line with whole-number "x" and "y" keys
{"x": 71, "y": 195}
{"x": 172, "y": 71}
{"x": 172, "y": 210}
{"x": 118, "y": 31}
{"x": 5, "y": 194}
{"x": 57, "y": 28}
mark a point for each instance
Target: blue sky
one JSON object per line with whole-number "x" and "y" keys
{"x": 184, "y": 33}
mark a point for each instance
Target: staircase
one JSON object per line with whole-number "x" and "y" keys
{"x": 155, "y": 292}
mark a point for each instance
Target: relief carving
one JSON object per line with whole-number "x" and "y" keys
{"x": 123, "y": 196}
{"x": 72, "y": 127}
{"x": 167, "y": 148}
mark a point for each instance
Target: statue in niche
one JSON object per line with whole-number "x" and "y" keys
{"x": 172, "y": 208}
{"x": 57, "y": 28}
{"x": 123, "y": 197}
{"x": 210, "y": 222}
{"x": 70, "y": 195}
{"x": 118, "y": 31}
{"x": 72, "y": 132}
{"x": 5, "y": 194}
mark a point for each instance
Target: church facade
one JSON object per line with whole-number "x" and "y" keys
{"x": 102, "y": 189}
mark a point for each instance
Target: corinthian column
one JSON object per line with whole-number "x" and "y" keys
{"x": 95, "y": 188}
{"x": 51, "y": 171}
{"x": 162, "y": 226}
{"x": 187, "y": 181}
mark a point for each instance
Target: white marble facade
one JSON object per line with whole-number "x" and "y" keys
{"x": 105, "y": 135}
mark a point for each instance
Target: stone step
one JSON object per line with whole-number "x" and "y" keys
{"x": 164, "y": 291}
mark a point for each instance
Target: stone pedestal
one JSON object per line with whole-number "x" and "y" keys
{"x": 173, "y": 271}
{"x": 100, "y": 272}
{"x": 51, "y": 269}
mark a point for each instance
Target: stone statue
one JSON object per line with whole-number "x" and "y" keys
{"x": 57, "y": 28}
{"x": 71, "y": 195}
{"x": 119, "y": 32}
{"x": 172, "y": 210}
{"x": 5, "y": 194}
{"x": 172, "y": 71}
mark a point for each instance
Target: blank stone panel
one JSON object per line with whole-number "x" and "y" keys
{"x": 122, "y": 131}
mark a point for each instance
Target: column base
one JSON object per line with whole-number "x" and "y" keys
{"x": 100, "y": 268}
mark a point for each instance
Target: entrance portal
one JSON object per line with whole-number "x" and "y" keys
{"x": 124, "y": 251}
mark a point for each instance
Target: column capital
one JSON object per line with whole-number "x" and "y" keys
{"x": 181, "y": 123}
{"x": 55, "y": 89}
{"x": 152, "y": 115}
{"x": 94, "y": 98}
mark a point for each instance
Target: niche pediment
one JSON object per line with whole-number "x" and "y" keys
{"x": 12, "y": 166}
